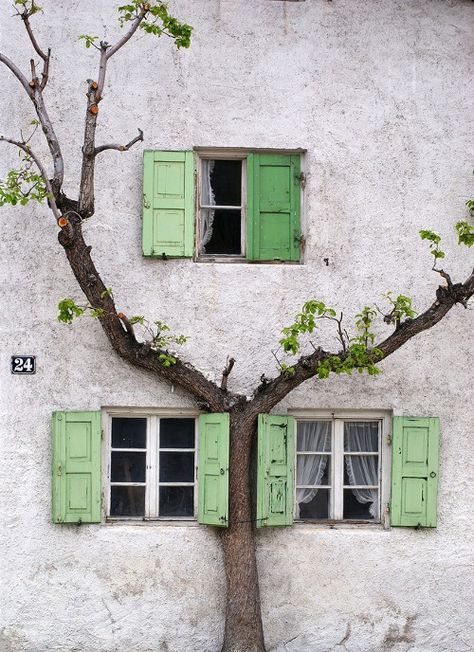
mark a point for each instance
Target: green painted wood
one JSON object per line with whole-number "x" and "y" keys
{"x": 273, "y": 207}
{"x": 275, "y": 470}
{"x": 414, "y": 471}
{"x": 76, "y": 481}
{"x": 213, "y": 469}
{"x": 168, "y": 204}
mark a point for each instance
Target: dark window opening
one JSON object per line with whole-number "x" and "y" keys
{"x": 221, "y": 227}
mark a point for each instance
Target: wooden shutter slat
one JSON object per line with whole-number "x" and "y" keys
{"x": 168, "y": 204}
{"x": 275, "y": 472}
{"x": 76, "y": 467}
{"x": 414, "y": 471}
{"x": 213, "y": 469}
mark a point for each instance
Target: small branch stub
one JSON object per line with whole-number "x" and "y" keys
{"x": 63, "y": 221}
{"x": 94, "y": 109}
{"x": 225, "y": 374}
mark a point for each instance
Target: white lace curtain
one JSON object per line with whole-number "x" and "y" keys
{"x": 207, "y": 199}
{"x": 362, "y": 469}
{"x": 312, "y": 436}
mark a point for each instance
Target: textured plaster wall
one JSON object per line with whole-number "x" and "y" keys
{"x": 378, "y": 93}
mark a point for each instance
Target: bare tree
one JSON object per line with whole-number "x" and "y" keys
{"x": 243, "y": 629}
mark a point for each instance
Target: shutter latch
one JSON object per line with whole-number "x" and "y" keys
{"x": 145, "y": 201}
{"x": 302, "y": 179}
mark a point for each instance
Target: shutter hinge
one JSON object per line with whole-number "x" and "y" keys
{"x": 102, "y": 434}
{"x": 389, "y": 440}
{"x": 388, "y": 508}
{"x": 302, "y": 179}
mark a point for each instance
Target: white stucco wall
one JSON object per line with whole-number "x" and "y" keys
{"x": 379, "y": 94}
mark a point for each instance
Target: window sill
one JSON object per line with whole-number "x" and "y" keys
{"x": 243, "y": 261}
{"x": 176, "y": 522}
{"x": 341, "y": 525}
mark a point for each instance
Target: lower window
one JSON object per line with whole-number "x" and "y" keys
{"x": 152, "y": 467}
{"x": 338, "y": 469}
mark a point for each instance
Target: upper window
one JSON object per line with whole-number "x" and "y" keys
{"x": 338, "y": 469}
{"x": 221, "y": 212}
{"x": 248, "y": 205}
{"x": 152, "y": 467}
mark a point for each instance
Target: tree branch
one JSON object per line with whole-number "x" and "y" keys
{"x": 26, "y": 21}
{"x": 94, "y": 96}
{"x": 133, "y": 28}
{"x": 120, "y": 148}
{"x": 225, "y": 374}
{"x": 27, "y": 149}
{"x": 120, "y": 337}
{"x": 18, "y": 74}
{"x": 34, "y": 91}
{"x": 270, "y": 393}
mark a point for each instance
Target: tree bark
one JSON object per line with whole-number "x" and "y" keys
{"x": 243, "y": 623}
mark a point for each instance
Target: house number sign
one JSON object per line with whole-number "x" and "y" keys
{"x": 23, "y": 364}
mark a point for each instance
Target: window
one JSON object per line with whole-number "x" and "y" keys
{"x": 152, "y": 467}
{"x": 247, "y": 205}
{"x": 338, "y": 469}
{"x": 221, "y": 213}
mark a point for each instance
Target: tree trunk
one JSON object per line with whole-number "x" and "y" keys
{"x": 243, "y": 625}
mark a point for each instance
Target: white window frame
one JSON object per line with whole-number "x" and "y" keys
{"x": 336, "y": 486}
{"x": 152, "y": 484}
{"x": 225, "y": 156}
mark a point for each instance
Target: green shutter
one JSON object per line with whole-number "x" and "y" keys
{"x": 273, "y": 207}
{"x": 213, "y": 469}
{"x": 414, "y": 471}
{"x": 168, "y": 204}
{"x": 276, "y": 459}
{"x": 76, "y": 467}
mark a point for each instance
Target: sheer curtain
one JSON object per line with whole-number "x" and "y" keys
{"x": 363, "y": 469}
{"x": 207, "y": 199}
{"x": 312, "y": 436}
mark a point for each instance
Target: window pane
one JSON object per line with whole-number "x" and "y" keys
{"x": 361, "y": 470}
{"x": 127, "y": 501}
{"x": 177, "y": 433}
{"x": 312, "y": 503}
{"x": 314, "y": 436}
{"x": 176, "y": 467}
{"x": 361, "y": 504}
{"x": 128, "y": 433}
{"x": 221, "y": 231}
{"x": 313, "y": 469}
{"x": 221, "y": 183}
{"x": 176, "y": 501}
{"x": 361, "y": 436}
{"x": 128, "y": 467}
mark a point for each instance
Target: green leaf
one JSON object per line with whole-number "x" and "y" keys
{"x": 465, "y": 232}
